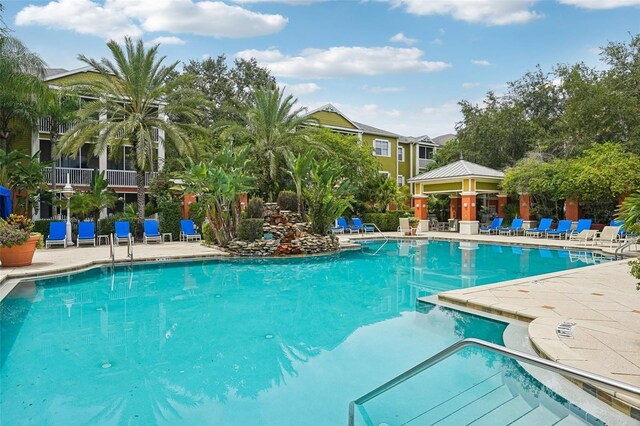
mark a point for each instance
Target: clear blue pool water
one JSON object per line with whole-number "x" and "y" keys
{"x": 281, "y": 342}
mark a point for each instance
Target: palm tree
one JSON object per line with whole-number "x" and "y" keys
{"x": 298, "y": 169}
{"x": 61, "y": 109}
{"x": 90, "y": 203}
{"x": 133, "y": 89}
{"x": 274, "y": 125}
{"x": 21, "y": 87}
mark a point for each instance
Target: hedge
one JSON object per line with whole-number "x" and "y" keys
{"x": 169, "y": 215}
{"x": 107, "y": 225}
{"x": 250, "y": 229}
{"x": 288, "y": 200}
{"x": 386, "y": 222}
{"x": 255, "y": 208}
{"x": 197, "y": 213}
{"x": 41, "y": 226}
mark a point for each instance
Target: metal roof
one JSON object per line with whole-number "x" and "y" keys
{"x": 443, "y": 139}
{"x": 460, "y": 168}
{"x": 375, "y": 131}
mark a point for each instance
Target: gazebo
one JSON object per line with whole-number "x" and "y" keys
{"x": 465, "y": 183}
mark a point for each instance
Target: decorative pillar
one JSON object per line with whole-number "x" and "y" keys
{"x": 502, "y": 204}
{"x": 468, "y": 274}
{"x": 469, "y": 225}
{"x": 420, "y": 206}
{"x": 572, "y": 209}
{"x": 186, "y": 201}
{"x": 243, "y": 198}
{"x": 454, "y": 207}
{"x": 525, "y": 211}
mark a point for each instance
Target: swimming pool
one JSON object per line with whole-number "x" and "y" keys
{"x": 282, "y": 341}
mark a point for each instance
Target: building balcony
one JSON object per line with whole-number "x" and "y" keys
{"x": 424, "y": 162}
{"x": 82, "y": 177}
{"x": 44, "y": 126}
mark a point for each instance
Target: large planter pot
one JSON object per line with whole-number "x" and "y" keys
{"x": 19, "y": 255}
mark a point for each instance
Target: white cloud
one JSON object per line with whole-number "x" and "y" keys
{"x": 470, "y": 85}
{"x": 437, "y": 41}
{"x": 401, "y": 38}
{"x": 489, "y": 12}
{"x": 301, "y": 88}
{"x": 117, "y": 18}
{"x": 292, "y": 2}
{"x": 167, "y": 40}
{"x": 481, "y": 62}
{"x": 498, "y": 86}
{"x": 82, "y": 16}
{"x": 601, "y": 4}
{"x": 344, "y": 61}
{"x": 383, "y": 89}
{"x": 440, "y": 119}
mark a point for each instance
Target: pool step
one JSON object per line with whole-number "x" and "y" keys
{"x": 570, "y": 420}
{"x": 505, "y": 413}
{"x": 538, "y": 416}
{"x": 476, "y": 408}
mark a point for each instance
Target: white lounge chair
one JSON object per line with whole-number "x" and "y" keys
{"x": 405, "y": 227}
{"x": 584, "y": 236}
{"x": 609, "y": 234}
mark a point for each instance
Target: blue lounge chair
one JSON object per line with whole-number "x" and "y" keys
{"x": 341, "y": 225}
{"x": 619, "y": 223}
{"x": 351, "y": 228}
{"x": 357, "y": 223}
{"x": 564, "y": 226}
{"x": 188, "y": 232}
{"x": 515, "y": 228}
{"x": 542, "y": 229}
{"x": 123, "y": 232}
{"x": 57, "y": 234}
{"x": 86, "y": 233}
{"x": 583, "y": 225}
{"x": 494, "y": 227}
{"x": 151, "y": 232}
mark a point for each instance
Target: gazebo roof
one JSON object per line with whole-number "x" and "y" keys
{"x": 459, "y": 169}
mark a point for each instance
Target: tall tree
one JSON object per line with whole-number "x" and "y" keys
{"x": 21, "y": 88}
{"x": 133, "y": 88}
{"x": 61, "y": 109}
{"x": 229, "y": 89}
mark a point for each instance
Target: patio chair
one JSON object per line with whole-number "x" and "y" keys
{"x": 123, "y": 233}
{"x": 405, "y": 227}
{"x": 340, "y": 226}
{"x": 543, "y": 227}
{"x": 494, "y": 227}
{"x": 609, "y": 234}
{"x": 619, "y": 223}
{"x": 584, "y": 236}
{"x": 564, "y": 226}
{"x": 86, "y": 233}
{"x": 515, "y": 228}
{"x": 151, "y": 232}
{"x": 583, "y": 224}
{"x": 188, "y": 232}
{"x": 57, "y": 234}
{"x": 357, "y": 224}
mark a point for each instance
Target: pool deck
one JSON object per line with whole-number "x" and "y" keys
{"x": 601, "y": 300}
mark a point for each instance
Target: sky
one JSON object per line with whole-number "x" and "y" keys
{"x": 399, "y": 65}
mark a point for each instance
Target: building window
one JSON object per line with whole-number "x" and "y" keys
{"x": 120, "y": 160}
{"x": 400, "y": 153}
{"x": 381, "y": 148}
{"x": 385, "y": 173}
{"x": 425, "y": 152}
{"x": 400, "y": 180}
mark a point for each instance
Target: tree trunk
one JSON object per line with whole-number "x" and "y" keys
{"x": 140, "y": 181}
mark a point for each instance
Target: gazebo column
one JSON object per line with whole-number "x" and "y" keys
{"x": 525, "y": 211}
{"x": 420, "y": 206}
{"x": 502, "y": 204}
{"x": 572, "y": 209}
{"x": 469, "y": 225}
{"x": 454, "y": 207}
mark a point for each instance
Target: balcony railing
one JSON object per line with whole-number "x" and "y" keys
{"x": 82, "y": 177}
{"x": 44, "y": 126}
{"x": 423, "y": 162}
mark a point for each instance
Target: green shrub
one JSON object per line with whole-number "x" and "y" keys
{"x": 107, "y": 225}
{"x": 41, "y": 226}
{"x": 288, "y": 200}
{"x": 387, "y": 222}
{"x": 207, "y": 234}
{"x": 169, "y": 215}
{"x": 197, "y": 213}
{"x": 255, "y": 208}
{"x": 250, "y": 229}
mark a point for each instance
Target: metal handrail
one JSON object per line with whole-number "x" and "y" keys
{"x": 130, "y": 249}
{"x": 573, "y": 372}
{"x": 112, "y": 251}
{"x": 377, "y": 229}
{"x": 620, "y": 249}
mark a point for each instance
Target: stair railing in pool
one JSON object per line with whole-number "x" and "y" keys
{"x": 112, "y": 251}
{"x": 377, "y": 229}
{"x": 130, "y": 249}
{"x": 565, "y": 370}
{"x": 628, "y": 244}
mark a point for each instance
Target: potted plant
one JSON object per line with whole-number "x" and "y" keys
{"x": 413, "y": 222}
{"x": 17, "y": 242}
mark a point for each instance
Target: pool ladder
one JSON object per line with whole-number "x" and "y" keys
{"x": 130, "y": 250}
{"x": 628, "y": 244}
{"x": 575, "y": 373}
{"x": 112, "y": 251}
